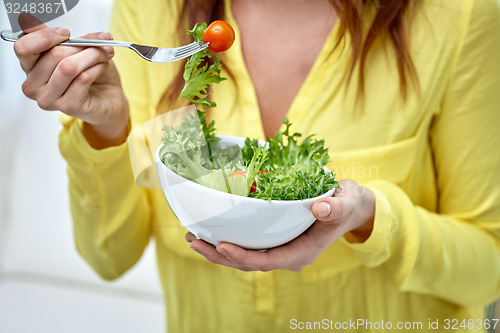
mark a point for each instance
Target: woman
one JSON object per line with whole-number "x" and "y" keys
{"x": 405, "y": 93}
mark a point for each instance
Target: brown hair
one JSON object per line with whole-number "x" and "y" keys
{"x": 390, "y": 19}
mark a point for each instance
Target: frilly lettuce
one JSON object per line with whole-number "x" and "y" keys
{"x": 294, "y": 170}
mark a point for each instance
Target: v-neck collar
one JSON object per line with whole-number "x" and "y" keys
{"x": 297, "y": 110}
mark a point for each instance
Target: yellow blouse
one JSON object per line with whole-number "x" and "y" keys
{"x": 432, "y": 163}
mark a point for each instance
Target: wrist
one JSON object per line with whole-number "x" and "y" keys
{"x": 365, "y": 220}
{"x": 114, "y": 132}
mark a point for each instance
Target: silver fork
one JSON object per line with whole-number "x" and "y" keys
{"x": 150, "y": 53}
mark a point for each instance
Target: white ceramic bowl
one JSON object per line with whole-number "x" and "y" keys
{"x": 216, "y": 216}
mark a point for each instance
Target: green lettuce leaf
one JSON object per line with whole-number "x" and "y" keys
{"x": 294, "y": 169}
{"x": 198, "y": 75}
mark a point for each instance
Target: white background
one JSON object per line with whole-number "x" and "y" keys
{"x": 44, "y": 285}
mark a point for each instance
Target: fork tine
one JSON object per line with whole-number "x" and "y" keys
{"x": 181, "y": 48}
{"x": 187, "y": 49}
{"x": 187, "y": 54}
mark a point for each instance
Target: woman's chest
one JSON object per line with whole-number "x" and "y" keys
{"x": 279, "y": 48}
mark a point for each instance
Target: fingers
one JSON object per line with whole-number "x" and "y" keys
{"x": 40, "y": 74}
{"x": 352, "y": 209}
{"x": 74, "y": 75}
{"x": 211, "y": 254}
{"x": 190, "y": 237}
{"x": 62, "y": 76}
{"x": 29, "y": 47}
{"x": 250, "y": 259}
{"x": 57, "y": 67}
{"x": 335, "y": 208}
{"x": 74, "y": 99}
{"x": 294, "y": 256}
{"x": 102, "y": 36}
{"x": 329, "y": 209}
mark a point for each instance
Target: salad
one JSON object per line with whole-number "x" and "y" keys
{"x": 281, "y": 168}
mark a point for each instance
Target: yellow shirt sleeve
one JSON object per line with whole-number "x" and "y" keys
{"x": 111, "y": 214}
{"x": 441, "y": 253}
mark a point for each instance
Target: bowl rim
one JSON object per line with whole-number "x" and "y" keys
{"x": 240, "y": 197}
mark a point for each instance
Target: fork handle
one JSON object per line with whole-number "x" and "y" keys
{"x": 12, "y": 37}
{"x": 94, "y": 42}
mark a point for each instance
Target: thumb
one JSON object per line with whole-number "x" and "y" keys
{"x": 328, "y": 209}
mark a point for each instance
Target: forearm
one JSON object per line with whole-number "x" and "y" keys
{"x": 111, "y": 238}
{"x": 110, "y": 213}
{"x": 430, "y": 253}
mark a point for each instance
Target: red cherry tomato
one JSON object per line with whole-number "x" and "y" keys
{"x": 253, "y": 188}
{"x": 238, "y": 173}
{"x": 241, "y": 173}
{"x": 220, "y": 35}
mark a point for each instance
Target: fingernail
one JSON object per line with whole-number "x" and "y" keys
{"x": 109, "y": 49}
{"x": 63, "y": 32}
{"x": 324, "y": 209}
{"x": 223, "y": 252}
{"x": 195, "y": 250}
{"x": 104, "y": 35}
